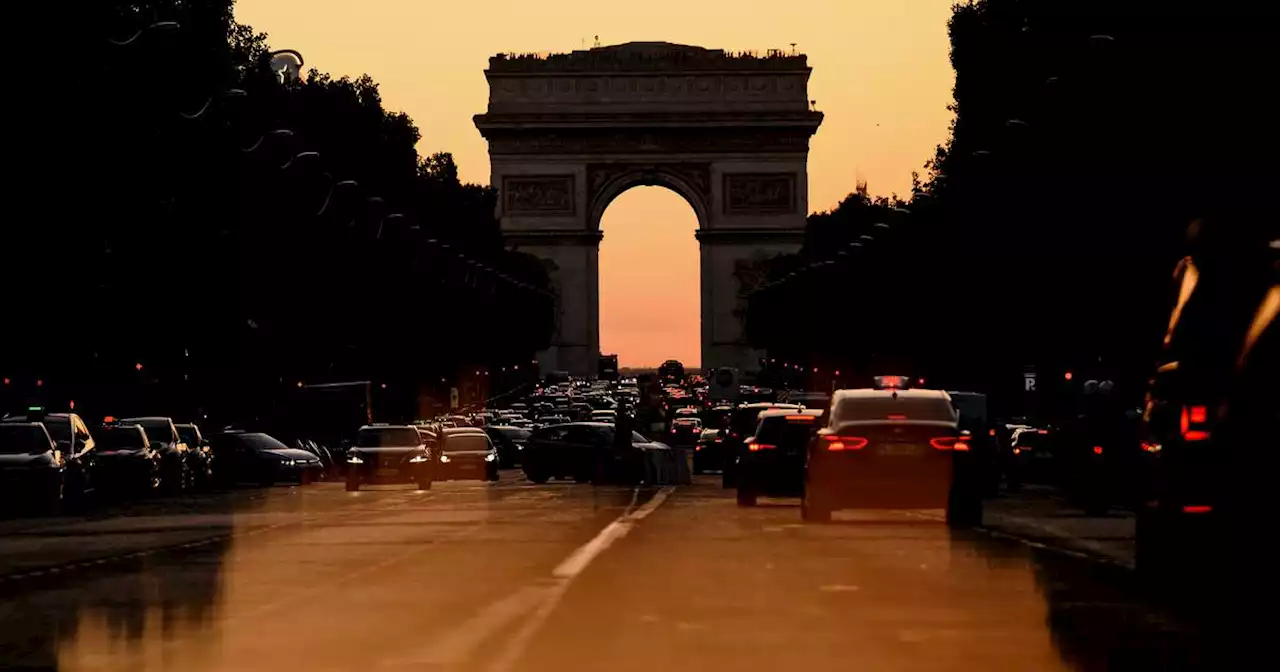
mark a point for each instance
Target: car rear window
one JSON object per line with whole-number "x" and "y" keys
{"x": 118, "y": 438}
{"x": 157, "y": 430}
{"x": 778, "y": 430}
{"x": 383, "y": 437}
{"x": 23, "y": 440}
{"x": 855, "y": 409}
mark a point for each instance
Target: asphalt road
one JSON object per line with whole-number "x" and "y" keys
{"x": 513, "y": 577}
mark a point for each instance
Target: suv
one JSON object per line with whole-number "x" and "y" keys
{"x": 32, "y": 465}
{"x": 389, "y": 454}
{"x": 126, "y": 461}
{"x": 201, "y": 457}
{"x": 75, "y": 446}
{"x": 178, "y": 466}
{"x": 741, "y": 424}
{"x": 773, "y": 463}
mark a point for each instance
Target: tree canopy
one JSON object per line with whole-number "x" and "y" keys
{"x": 200, "y": 226}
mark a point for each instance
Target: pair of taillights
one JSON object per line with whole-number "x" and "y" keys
{"x": 838, "y": 443}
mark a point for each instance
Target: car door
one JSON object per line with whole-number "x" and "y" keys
{"x": 581, "y": 444}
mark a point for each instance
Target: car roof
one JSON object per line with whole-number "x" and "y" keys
{"x": 783, "y": 412}
{"x": 868, "y": 393}
{"x": 146, "y": 417}
{"x": 450, "y": 431}
{"x": 768, "y": 404}
{"x": 375, "y": 426}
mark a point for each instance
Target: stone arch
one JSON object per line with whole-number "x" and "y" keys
{"x": 627, "y": 176}
{"x": 729, "y": 133}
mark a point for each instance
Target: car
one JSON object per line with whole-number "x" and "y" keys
{"x": 685, "y": 431}
{"x": 178, "y": 465}
{"x": 201, "y": 455}
{"x": 892, "y": 449}
{"x": 741, "y": 424}
{"x": 774, "y": 459}
{"x": 708, "y": 453}
{"x": 510, "y": 442}
{"x": 582, "y": 451}
{"x": 606, "y": 415}
{"x": 75, "y": 446}
{"x": 809, "y": 399}
{"x": 1030, "y": 458}
{"x": 261, "y": 459}
{"x": 391, "y": 454}
{"x": 32, "y": 467}
{"x": 466, "y": 453}
{"x": 127, "y": 463}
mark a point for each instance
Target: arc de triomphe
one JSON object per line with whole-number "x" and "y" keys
{"x": 730, "y": 133}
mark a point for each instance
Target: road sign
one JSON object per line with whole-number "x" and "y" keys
{"x": 453, "y": 398}
{"x": 1029, "y": 381}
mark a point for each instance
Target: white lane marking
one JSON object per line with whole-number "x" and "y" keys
{"x": 567, "y": 570}
{"x": 455, "y": 647}
{"x": 458, "y": 643}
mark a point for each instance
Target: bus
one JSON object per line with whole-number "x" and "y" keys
{"x": 671, "y": 371}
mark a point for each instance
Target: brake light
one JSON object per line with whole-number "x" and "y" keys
{"x": 1042, "y": 431}
{"x": 800, "y": 418}
{"x": 719, "y": 440}
{"x": 1097, "y": 450}
{"x": 845, "y": 442}
{"x": 1151, "y": 446}
{"x": 949, "y": 443}
{"x": 1194, "y": 415}
{"x": 753, "y": 446}
{"x": 991, "y": 432}
{"x": 897, "y": 416}
{"x": 1197, "y": 509}
{"x": 107, "y": 420}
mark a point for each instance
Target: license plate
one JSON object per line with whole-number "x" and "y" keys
{"x": 900, "y": 449}
{"x": 388, "y": 471}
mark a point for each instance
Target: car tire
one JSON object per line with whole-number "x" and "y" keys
{"x": 422, "y": 484}
{"x": 353, "y": 484}
{"x": 728, "y": 479}
{"x": 813, "y": 513}
{"x": 747, "y": 497}
{"x": 537, "y": 477}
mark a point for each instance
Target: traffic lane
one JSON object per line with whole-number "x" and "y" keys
{"x": 333, "y": 592}
{"x": 115, "y": 530}
{"x": 703, "y": 584}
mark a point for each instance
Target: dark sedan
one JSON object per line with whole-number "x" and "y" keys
{"x": 466, "y": 453}
{"x": 742, "y": 423}
{"x": 175, "y": 454}
{"x": 389, "y": 454}
{"x": 708, "y": 453}
{"x": 584, "y": 451}
{"x": 254, "y": 457}
{"x": 126, "y": 462}
{"x": 510, "y": 442}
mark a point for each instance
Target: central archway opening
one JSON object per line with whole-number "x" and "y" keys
{"x": 650, "y": 282}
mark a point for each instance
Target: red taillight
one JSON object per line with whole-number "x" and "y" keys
{"x": 1194, "y": 415}
{"x": 753, "y": 447}
{"x": 1151, "y": 446}
{"x": 845, "y": 442}
{"x": 1042, "y": 431}
{"x": 991, "y": 432}
{"x": 1097, "y": 450}
{"x": 719, "y": 440}
{"x": 897, "y": 416}
{"x": 949, "y": 443}
{"x": 1197, "y": 509}
{"x": 800, "y": 418}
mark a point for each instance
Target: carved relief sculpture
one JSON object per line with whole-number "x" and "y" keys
{"x": 759, "y": 194}
{"x": 538, "y": 195}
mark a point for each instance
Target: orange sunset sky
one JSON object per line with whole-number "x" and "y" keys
{"x": 880, "y": 74}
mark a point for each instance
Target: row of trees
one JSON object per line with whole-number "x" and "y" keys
{"x": 1088, "y": 136}
{"x": 200, "y": 227}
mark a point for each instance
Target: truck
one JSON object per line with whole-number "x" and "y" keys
{"x": 607, "y": 368}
